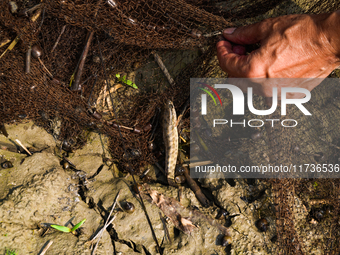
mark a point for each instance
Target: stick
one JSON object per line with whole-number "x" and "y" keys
{"x": 46, "y": 247}
{"x": 196, "y": 189}
{"x": 160, "y": 168}
{"x": 23, "y": 146}
{"x": 166, "y": 231}
{"x": 145, "y": 173}
{"x": 201, "y": 163}
{"x": 34, "y": 8}
{"x": 75, "y": 84}
{"x": 28, "y": 60}
{"x": 106, "y": 223}
{"x": 103, "y": 228}
{"x": 163, "y": 68}
{"x": 48, "y": 72}
{"x": 58, "y": 39}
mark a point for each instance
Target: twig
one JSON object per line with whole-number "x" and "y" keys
{"x": 145, "y": 173}
{"x": 50, "y": 242}
{"x": 23, "y": 146}
{"x": 34, "y": 8}
{"x": 48, "y": 72}
{"x": 106, "y": 223}
{"x": 11, "y": 46}
{"x": 75, "y": 84}
{"x": 42, "y": 21}
{"x": 166, "y": 231}
{"x": 163, "y": 68}
{"x": 28, "y": 60}
{"x": 58, "y": 39}
{"x": 196, "y": 189}
{"x": 103, "y": 228}
{"x": 201, "y": 163}
{"x": 160, "y": 168}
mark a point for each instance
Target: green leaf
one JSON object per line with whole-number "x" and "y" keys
{"x": 127, "y": 82}
{"x": 78, "y": 225}
{"x": 62, "y": 228}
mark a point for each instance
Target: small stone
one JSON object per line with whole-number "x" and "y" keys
{"x": 13, "y": 6}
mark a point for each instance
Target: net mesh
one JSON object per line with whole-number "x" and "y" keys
{"x": 127, "y": 33}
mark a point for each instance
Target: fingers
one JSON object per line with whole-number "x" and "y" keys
{"x": 240, "y": 50}
{"x": 249, "y": 34}
{"x": 231, "y": 60}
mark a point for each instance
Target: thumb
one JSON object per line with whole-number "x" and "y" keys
{"x": 248, "y": 34}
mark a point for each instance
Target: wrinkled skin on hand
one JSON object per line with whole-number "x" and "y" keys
{"x": 293, "y": 46}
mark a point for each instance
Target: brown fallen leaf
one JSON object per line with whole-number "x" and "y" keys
{"x": 183, "y": 218}
{"x": 170, "y": 208}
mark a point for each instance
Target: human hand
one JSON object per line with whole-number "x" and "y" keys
{"x": 293, "y": 46}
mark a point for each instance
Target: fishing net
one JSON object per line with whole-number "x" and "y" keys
{"x": 127, "y": 36}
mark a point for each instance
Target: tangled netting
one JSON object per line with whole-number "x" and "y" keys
{"x": 126, "y": 34}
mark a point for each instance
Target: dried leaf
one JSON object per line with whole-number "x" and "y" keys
{"x": 183, "y": 218}
{"x": 173, "y": 210}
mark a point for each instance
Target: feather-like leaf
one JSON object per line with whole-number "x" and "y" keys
{"x": 62, "y": 228}
{"x": 78, "y": 225}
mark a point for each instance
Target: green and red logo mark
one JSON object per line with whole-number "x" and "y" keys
{"x": 204, "y": 97}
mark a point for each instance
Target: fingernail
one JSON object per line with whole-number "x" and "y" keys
{"x": 229, "y": 30}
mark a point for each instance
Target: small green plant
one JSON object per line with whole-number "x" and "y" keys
{"x": 127, "y": 82}
{"x": 68, "y": 230}
{"x": 10, "y": 252}
{"x": 315, "y": 185}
